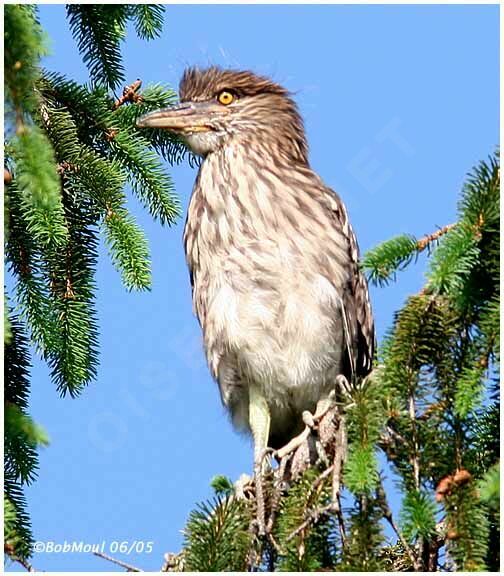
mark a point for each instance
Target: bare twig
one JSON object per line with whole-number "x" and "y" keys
{"x": 393, "y": 433}
{"x": 405, "y": 545}
{"x": 387, "y": 513}
{"x": 259, "y": 494}
{"x": 414, "y": 458}
{"x": 339, "y": 454}
{"x": 24, "y": 563}
{"x": 321, "y": 477}
{"x": 128, "y": 567}
{"x": 313, "y": 516}
{"x": 339, "y": 449}
{"x": 130, "y": 94}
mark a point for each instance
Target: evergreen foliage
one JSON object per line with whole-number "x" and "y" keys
{"x": 99, "y": 30}
{"x": 430, "y": 408}
{"x": 362, "y": 546}
{"x": 217, "y": 536}
{"x": 71, "y": 152}
{"x": 311, "y": 548}
{"x": 366, "y": 417}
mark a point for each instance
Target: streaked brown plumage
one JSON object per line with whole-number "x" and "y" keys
{"x": 273, "y": 259}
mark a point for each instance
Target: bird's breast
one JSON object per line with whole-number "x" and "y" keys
{"x": 268, "y": 312}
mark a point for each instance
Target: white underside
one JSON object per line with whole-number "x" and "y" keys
{"x": 287, "y": 348}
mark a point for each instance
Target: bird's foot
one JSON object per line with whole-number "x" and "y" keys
{"x": 310, "y": 445}
{"x": 293, "y": 444}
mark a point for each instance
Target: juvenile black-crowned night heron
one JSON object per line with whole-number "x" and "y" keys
{"x": 273, "y": 259}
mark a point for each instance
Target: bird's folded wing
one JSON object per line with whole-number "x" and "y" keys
{"x": 356, "y": 306}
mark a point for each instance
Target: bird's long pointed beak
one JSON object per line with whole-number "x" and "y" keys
{"x": 183, "y": 118}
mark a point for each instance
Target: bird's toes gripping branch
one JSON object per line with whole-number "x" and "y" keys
{"x": 322, "y": 440}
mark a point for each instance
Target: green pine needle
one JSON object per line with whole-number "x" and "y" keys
{"x": 453, "y": 261}
{"x": 470, "y": 390}
{"x": 361, "y": 475}
{"x": 128, "y": 249}
{"x": 24, "y": 45}
{"x": 382, "y": 263}
{"x": 216, "y": 536}
{"x": 467, "y": 529}
{"x": 37, "y": 179}
{"x": 489, "y": 487}
{"x": 222, "y": 485}
{"x": 148, "y": 19}
{"x": 418, "y": 516}
{"x": 99, "y": 31}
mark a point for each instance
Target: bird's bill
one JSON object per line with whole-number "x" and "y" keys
{"x": 185, "y": 117}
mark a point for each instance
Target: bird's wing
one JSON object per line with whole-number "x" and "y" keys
{"x": 355, "y": 303}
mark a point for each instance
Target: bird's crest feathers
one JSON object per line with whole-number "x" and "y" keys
{"x": 204, "y": 84}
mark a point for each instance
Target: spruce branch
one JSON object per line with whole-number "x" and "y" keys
{"x": 382, "y": 263}
{"x": 99, "y": 31}
{"x": 425, "y": 241}
{"x": 128, "y": 248}
{"x": 21, "y": 561}
{"x": 217, "y": 537}
{"x": 148, "y": 19}
{"x": 64, "y": 184}
{"x": 24, "y": 45}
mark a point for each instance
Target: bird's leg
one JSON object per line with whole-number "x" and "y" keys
{"x": 259, "y": 420}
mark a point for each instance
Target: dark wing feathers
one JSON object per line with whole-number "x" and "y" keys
{"x": 355, "y": 299}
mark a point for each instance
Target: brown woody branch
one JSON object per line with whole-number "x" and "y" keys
{"x": 313, "y": 517}
{"x": 130, "y": 94}
{"x": 128, "y": 567}
{"x": 9, "y": 552}
{"x": 387, "y": 514}
{"x": 426, "y": 240}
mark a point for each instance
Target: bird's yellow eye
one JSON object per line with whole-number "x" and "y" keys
{"x": 225, "y": 97}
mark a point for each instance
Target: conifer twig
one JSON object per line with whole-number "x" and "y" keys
{"x": 426, "y": 240}
{"x": 414, "y": 457}
{"x": 130, "y": 94}
{"x": 313, "y": 516}
{"x": 387, "y": 513}
{"x": 128, "y": 567}
{"x": 339, "y": 444}
{"x": 24, "y": 563}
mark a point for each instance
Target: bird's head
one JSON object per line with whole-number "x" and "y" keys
{"x": 222, "y": 107}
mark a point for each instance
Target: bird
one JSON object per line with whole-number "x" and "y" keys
{"x": 273, "y": 260}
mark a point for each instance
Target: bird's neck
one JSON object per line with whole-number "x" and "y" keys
{"x": 246, "y": 180}
{"x": 275, "y": 147}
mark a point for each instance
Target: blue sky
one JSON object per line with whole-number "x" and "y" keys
{"x": 399, "y": 103}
